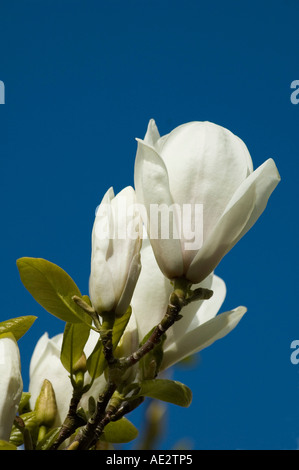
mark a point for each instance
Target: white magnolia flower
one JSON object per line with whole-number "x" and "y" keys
{"x": 115, "y": 258}
{"x": 199, "y": 165}
{"x": 45, "y": 364}
{"x": 11, "y": 384}
{"x": 200, "y": 325}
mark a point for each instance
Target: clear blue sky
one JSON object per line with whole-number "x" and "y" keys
{"x": 82, "y": 79}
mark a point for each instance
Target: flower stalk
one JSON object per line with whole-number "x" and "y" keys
{"x": 106, "y": 331}
{"x": 180, "y": 297}
{"x": 93, "y": 429}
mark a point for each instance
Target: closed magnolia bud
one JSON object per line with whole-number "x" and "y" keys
{"x": 80, "y": 365}
{"x": 45, "y": 406}
{"x": 79, "y": 369}
{"x": 115, "y": 257}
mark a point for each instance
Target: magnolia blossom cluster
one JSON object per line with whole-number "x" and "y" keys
{"x": 197, "y": 165}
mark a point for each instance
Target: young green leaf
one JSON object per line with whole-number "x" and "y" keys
{"x": 24, "y": 402}
{"x": 120, "y": 326}
{"x": 4, "y": 445}
{"x": 31, "y": 423}
{"x": 170, "y": 391}
{"x": 75, "y": 337}
{"x": 52, "y": 288}
{"x": 17, "y": 326}
{"x": 46, "y": 442}
{"x": 150, "y": 364}
{"x": 118, "y": 432}
{"x": 96, "y": 362}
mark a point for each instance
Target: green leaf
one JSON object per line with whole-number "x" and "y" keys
{"x": 46, "y": 442}
{"x": 118, "y": 432}
{"x": 150, "y": 363}
{"x": 74, "y": 339}
{"x": 31, "y": 423}
{"x": 120, "y": 326}
{"x": 170, "y": 391}
{"x": 52, "y": 288}
{"x": 17, "y": 326}
{"x": 4, "y": 445}
{"x": 96, "y": 362}
{"x": 24, "y": 402}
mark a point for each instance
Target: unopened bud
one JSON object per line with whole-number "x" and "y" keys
{"x": 175, "y": 301}
{"x": 80, "y": 365}
{"x": 79, "y": 370}
{"x": 200, "y": 294}
{"x": 45, "y": 406}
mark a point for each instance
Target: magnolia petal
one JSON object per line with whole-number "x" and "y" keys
{"x": 197, "y": 313}
{"x": 95, "y": 390}
{"x": 152, "y": 137}
{"x": 39, "y": 351}
{"x": 222, "y": 238}
{"x": 46, "y": 364}
{"x": 116, "y": 240}
{"x": 100, "y": 382}
{"x": 11, "y": 384}
{"x": 206, "y": 163}
{"x": 125, "y": 243}
{"x": 106, "y": 200}
{"x": 130, "y": 339}
{"x": 203, "y": 336}
{"x": 209, "y": 308}
{"x": 267, "y": 178}
{"x": 133, "y": 275}
{"x": 101, "y": 290}
{"x": 152, "y": 191}
{"x": 243, "y": 210}
{"x": 151, "y": 295}
{"x": 152, "y": 134}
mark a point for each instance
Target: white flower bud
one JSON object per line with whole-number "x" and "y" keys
{"x": 115, "y": 258}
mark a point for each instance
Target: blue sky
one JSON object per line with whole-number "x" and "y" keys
{"x": 82, "y": 79}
